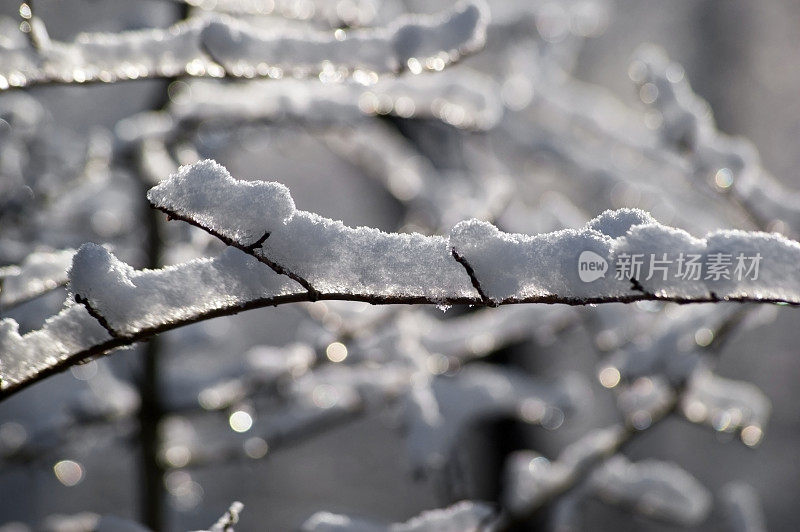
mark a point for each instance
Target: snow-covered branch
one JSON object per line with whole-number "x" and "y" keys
{"x": 337, "y": 262}
{"x": 461, "y": 98}
{"x": 39, "y": 273}
{"x": 742, "y": 507}
{"x": 477, "y": 263}
{"x": 220, "y": 46}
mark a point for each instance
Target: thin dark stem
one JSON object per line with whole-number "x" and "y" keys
{"x": 152, "y": 496}
{"x": 489, "y": 302}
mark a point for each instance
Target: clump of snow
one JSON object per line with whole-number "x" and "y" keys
{"x": 439, "y": 415}
{"x": 69, "y": 332}
{"x": 40, "y": 272}
{"x": 726, "y": 405}
{"x": 331, "y": 257}
{"x": 131, "y": 301}
{"x": 335, "y": 258}
{"x": 542, "y": 265}
{"x": 517, "y": 267}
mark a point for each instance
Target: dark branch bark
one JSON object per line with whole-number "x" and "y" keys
{"x": 96, "y": 315}
{"x": 489, "y": 302}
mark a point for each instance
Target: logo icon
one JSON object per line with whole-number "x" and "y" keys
{"x": 591, "y": 266}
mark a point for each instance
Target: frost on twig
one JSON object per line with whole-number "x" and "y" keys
{"x": 219, "y": 46}
{"x": 464, "y": 516}
{"x": 40, "y": 272}
{"x": 365, "y": 264}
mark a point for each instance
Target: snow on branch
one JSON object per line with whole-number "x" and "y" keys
{"x": 39, "y": 273}
{"x": 219, "y": 46}
{"x": 656, "y": 489}
{"x": 477, "y": 263}
{"x": 156, "y": 300}
{"x": 338, "y": 262}
{"x": 674, "y": 359}
{"x": 464, "y": 516}
{"x": 353, "y": 13}
{"x": 65, "y": 339}
{"x": 687, "y": 125}
{"x": 531, "y": 480}
{"x": 462, "y": 99}
{"x": 228, "y": 519}
{"x": 726, "y": 405}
